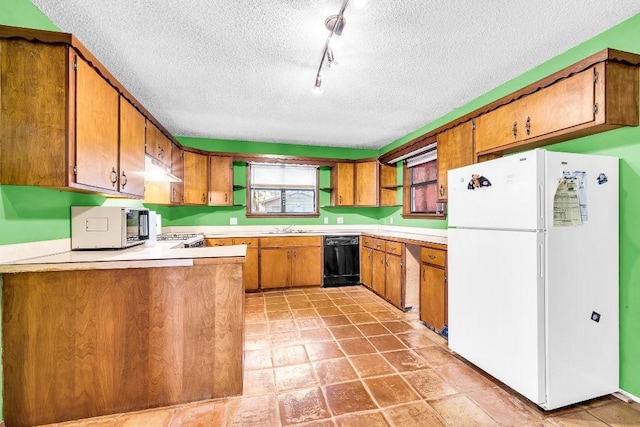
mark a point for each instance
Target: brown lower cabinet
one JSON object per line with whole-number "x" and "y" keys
{"x": 433, "y": 288}
{"x": 382, "y": 268}
{"x": 290, "y": 261}
{"x": 84, "y": 343}
{"x": 250, "y": 269}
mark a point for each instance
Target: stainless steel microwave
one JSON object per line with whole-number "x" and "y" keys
{"x": 108, "y": 227}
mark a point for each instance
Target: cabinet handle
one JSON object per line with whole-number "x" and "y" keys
{"x": 423, "y": 273}
{"x": 204, "y": 198}
{"x": 173, "y": 192}
{"x": 124, "y": 180}
{"x": 340, "y": 199}
{"x": 114, "y": 176}
{"x": 295, "y": 254}
{"x": 431, "y": 256}
{"x": 160, "y": 152}
{"x": 288, "y": 255}
{"x": 386, "y": 263}
{"x": 226, "y": 197}
{"x": 441, "y": 190}
{"x": 370, "y": 255}
{"x": 527, "y": 126}
{"x": 393, "y": 248}
{"x": 515, "y": 130}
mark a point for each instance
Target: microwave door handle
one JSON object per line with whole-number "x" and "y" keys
{"x": 143, "y": 225}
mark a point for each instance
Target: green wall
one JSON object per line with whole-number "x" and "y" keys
{"x": 30, "y": 214}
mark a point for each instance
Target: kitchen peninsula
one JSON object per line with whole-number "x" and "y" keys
{"x": 99, "y": 332}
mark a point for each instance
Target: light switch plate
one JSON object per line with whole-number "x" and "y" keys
{"x": 233, "y": 220}
{"x": 326, "y": 220}
{"x": 340, "y": 220}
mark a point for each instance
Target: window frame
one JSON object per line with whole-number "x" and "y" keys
{"x": 316, "y": 190}
{"x": 407, "y": 187}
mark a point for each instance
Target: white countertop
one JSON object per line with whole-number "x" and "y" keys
{"x": 158, "y": 254}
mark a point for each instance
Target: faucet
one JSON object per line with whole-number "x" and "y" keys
{"x": 287, "y": 229}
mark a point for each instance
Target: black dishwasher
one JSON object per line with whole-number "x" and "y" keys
{"x": 341, "y": 261}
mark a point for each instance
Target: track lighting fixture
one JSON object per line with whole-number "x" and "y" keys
{"x": 335, "y": 24}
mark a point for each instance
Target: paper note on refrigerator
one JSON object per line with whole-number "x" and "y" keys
{"x": 566, "y": 204}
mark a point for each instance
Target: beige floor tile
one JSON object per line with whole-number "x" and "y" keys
{"x": 618, "y": 414}
{"x": 259, "y": 382}
{"x": 199, "y": 415}
{"x": 294, "y": 377}
{"x": 384, "y": 343}
{"x": 459, "y": 411}
{"x": 371, "y": 365}
{"x": 417, "y": 414}
{"x": 463, "y": 378}
{"x": 405, "y": 360}
{"x": 436, "y": 355}
{"x": 302, "y": 406}
{"x": 290, "y": 355}
{"x": 576, "y": 419}
{"x": 348, "y": 397}
{"x": 506, "y": 409}
{"x": 332, "y": 371}
{"x": 323, "y": 350}
{"x": 390, "y": 390}
{"x": 252, "y": 411}
{"x": 429, "y": 384}
{"x": 361, "y": 419}
{"x": 257, "y": 359}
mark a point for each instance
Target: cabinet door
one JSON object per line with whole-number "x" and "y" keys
{"x": 432, "y": 296}
{"x": 221, "y": 181}
{"x": 306, "y": 268}
{"x": 275, "y": 268}
{"x": 195, "y": 178}
{"x": 251, "y": 265}
{"x": 366, "y": 266}
{"x": 132, "y": 141}
{"x": 158, "y": 145}
{"x": 96, "y": 129}
{"x": 455, "y": 149}
{"x": 177, "y": 169}
{"x": 394, "y": 280}
{"x": 343, "y": 183}
{"x": 499, "y": 127}
{"x": 378, "y": 272}
{"x": 564, "y": 104}
{"x": 367, "y": 183}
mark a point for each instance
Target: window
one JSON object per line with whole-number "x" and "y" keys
{"x": 282, "y": 189}
{"x": 421, "y": 185}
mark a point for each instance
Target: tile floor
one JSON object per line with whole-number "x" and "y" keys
{"x": 343, "y": 357}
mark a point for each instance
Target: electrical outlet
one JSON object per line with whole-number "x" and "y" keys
{"x": 326, "y": 220}
{"x": 233, "y": 220}
{"x": 340, "y": 220}
{"x": 390, "y": 220}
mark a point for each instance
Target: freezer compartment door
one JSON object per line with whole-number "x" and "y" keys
{"x": 496, "y": 305}
{"x": 505, "y": 193}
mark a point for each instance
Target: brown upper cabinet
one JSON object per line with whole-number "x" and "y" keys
{"x": 342, "y": 184}
{"x": 596, "y": 94}
{"x": 158, "y": 145}
{"x": 177, "y": 169}
{"x": 455, "y": 149}
{"x": 58, "y": 114}
{"x": 599, "y": 98}
{"x": 221, "y": 181}
{"x": 366, "y": 183}
{"x": 196, "y": 178}
{"x": 62, "y": 111}
{"x": 132, "y": 139}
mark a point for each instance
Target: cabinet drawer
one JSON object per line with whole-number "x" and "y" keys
{"x": 251, "y": 242}
{"x": 373, "y": 243}
{"x": 393, "y": 247}
{"x": 279, "y": 242}
{"x": 218, "y": 242}
{"x": 433, "y": 256}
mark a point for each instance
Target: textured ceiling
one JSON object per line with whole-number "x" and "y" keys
{"x": 243, "y": 70}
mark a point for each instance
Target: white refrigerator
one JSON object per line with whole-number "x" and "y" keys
{"x": 533, "y": 273}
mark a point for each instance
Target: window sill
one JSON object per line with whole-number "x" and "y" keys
{"x": 423, "y": 216}
{"x": 283, "y": 215}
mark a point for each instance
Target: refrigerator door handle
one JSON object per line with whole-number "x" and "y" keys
{"x": 541, "y": 259}
{"x": 541, "y": 202}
